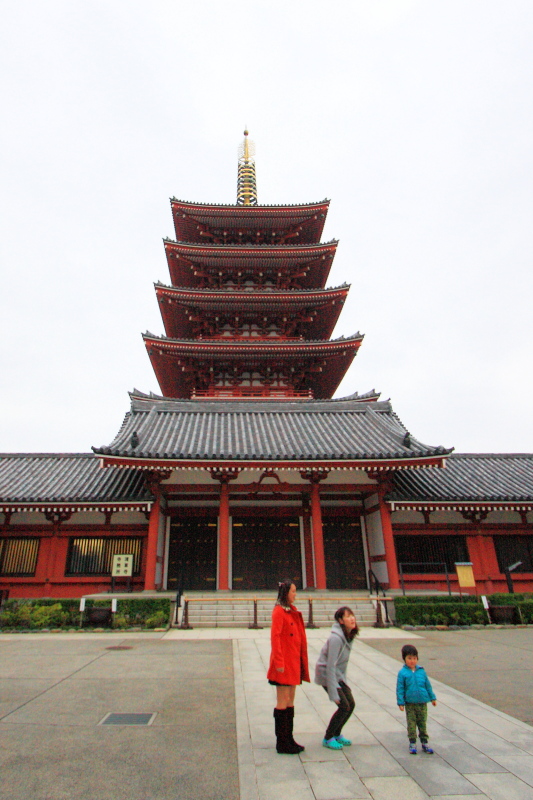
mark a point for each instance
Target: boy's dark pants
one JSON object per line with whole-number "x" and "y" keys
{"x": 417, "y": 715}
{"x": 343, "y": 712}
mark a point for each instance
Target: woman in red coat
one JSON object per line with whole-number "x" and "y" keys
{"x": 288, "y": 663}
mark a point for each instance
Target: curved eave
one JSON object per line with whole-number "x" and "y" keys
{"x": 242, "y": 349}
{"x": 186, "y": 204}
{"x": 73, "y": 506}
{"x": 151, "y": 462}
{"x": 256, "y": 297}
{"x": 193, "y": 221}
{"x": 255, "y": 251}
{"x": 322, "y": 308}
{"x": 477, "y": 504}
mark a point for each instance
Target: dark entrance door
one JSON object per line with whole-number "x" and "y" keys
{"x": 192, "y": 555}
{"x": 343, "y": 550}
{"x": 265, "y": 551}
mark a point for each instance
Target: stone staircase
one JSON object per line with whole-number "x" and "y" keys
{"x": 236, "y": 610}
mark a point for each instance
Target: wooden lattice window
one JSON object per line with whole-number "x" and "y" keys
{"x": 93, "y": 556}
{"x": 428, "y": 554}
{"x": 18, "y": 557}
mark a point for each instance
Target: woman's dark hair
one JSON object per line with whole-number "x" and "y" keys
{"x": 339, "y": 614}
{"x": 283, "y": 591}
{"x": 409, "y": 650}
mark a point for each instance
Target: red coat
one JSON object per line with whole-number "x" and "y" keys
{"x": 289, "y": 647}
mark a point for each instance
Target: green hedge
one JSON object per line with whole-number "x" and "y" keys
{"x": 437, "y": 613}
{"x": 501, "y": 599}
{"x": 444, "y": 598}
{"x": 36, "y": 614}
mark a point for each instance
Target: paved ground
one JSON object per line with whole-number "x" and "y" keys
{"x": 502, "y": 658}
{"x": 213, "y": 739}
{"x": 55, "y": 691}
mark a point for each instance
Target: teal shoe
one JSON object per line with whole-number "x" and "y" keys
{"x": 332, "y": 743}
{"x": 343, "y": 740}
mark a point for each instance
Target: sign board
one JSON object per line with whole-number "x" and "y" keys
{"x": 465, "y": 575}
{"x": 82, "y": 604}
{"x": 114, "y": 605}
{"x": 122, "y": 566}
{"x": 485, "y": 602}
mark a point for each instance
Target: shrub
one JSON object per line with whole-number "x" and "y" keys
{"x": 434, "y": 612}
{"x": 64, "y": 613}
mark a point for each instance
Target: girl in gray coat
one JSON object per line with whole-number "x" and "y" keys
{"x": 330, "y": 673}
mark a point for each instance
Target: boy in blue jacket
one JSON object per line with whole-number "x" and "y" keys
{"x": 414, "y": 692}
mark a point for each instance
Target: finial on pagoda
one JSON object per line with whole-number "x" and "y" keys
{"x": 246, "y": 183}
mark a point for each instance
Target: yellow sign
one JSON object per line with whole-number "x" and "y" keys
{"x": 122, "y": 566}
{"x": 465, "y": 575}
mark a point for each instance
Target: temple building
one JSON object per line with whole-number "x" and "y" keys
{"x": 245, "y": 468}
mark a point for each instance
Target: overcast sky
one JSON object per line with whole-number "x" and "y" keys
{"x": 413, "y": 116}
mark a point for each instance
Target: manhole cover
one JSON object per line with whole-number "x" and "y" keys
{"x": 127, "y": 719}
{"x": 120, "y": 647}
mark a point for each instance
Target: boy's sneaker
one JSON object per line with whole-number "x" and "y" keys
{"x": 412, "y": 749}
{"x": 332, "y": 743}
{"x": 343, "y": 740}
{"x": 426, "y": 748}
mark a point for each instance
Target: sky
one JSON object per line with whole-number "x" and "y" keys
{"x": 413, "y": 116}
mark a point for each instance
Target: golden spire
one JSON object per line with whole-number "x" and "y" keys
{"x": 246, "y": 183}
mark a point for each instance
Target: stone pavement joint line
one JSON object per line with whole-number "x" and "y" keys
{"x": 480, "y": 752}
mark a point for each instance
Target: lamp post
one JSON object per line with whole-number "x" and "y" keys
{"x": 508, "y": 576}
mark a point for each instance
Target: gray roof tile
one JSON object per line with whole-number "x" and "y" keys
{"x": 63, "y": 478}
{"x": 331, "y": 429}
{"x": 469, "y": 476}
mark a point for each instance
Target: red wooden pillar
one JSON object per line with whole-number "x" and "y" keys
{"x": 388, "y": 541}
{"x": 308, "y": 545}
{"x": 318, "y": 535}
{"x": 151, "y": 548}
{"x": 223, "y": 536}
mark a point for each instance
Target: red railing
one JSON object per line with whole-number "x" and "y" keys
{"x": 251, "y": 392}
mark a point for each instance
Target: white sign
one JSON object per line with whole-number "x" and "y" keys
{"x": 122, "y": 566}
{"x": 114, "y": 605}
{"x": 485, "y": 602}
{"x": 82, "y": 604}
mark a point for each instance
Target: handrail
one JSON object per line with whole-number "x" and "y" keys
{"x": 372, "y": 577}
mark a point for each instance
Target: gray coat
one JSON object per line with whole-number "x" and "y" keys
{"x": 333, "y": 662}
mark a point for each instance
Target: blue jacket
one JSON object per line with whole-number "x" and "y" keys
{"x": 413, "y": 687}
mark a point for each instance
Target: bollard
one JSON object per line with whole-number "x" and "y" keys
{"x": 254, "y": 624}
{"x": 185, "y": 619}
{"x": 379, "y": 616}
{"x": 310, "y": 623}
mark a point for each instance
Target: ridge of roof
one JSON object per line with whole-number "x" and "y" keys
{"x": 248, "y": 246}
{"x": 234, "y": 206}
{"x": 256, "y": 290}
{"x": 253, "y": 341}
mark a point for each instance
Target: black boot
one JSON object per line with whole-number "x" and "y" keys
{"x": 290, "y": 716}
{"x": 283, "y": 741}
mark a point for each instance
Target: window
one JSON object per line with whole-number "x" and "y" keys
{"x": 93, "y": 556}
{"x": 18, "y": 557}
{"x": 425, "y": 554}
{"x": 510, "y": 549}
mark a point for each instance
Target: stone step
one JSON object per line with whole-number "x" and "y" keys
{"x": 224, "y": 611}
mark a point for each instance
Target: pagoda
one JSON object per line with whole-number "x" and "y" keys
{"x": 246, "y": 470}
{"x": 247, "y": 315}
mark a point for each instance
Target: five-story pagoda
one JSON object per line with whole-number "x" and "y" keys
{"x": 256, "y": 472}
{"x": 247, "y": 314}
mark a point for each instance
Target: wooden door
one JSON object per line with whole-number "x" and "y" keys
{"x": 192, "y": 555}
{"x": 343, "y": 550}
{"x": 265, "y": 551}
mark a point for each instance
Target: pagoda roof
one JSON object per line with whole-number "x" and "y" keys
{"x": 188, "y": 262}
{"x": 177, "y": 362}
{"x": 197, "y": 222}
{"x": 46, "y": 481}
{"x": 329, "y": 431}
{"x": 324, "y": 305}
{"x": 468, "y": 477}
